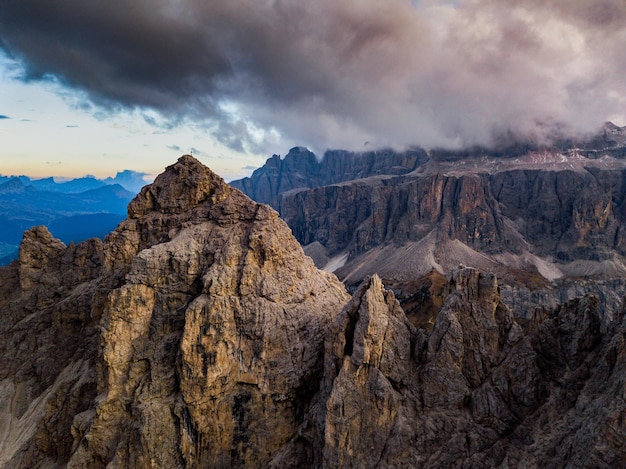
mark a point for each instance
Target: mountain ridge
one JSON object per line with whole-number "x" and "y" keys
{"x": 199, "y": 334}
{"x": 132, "y": 181}
{"x": 23, "y": 205}
{"x": 301, "y": 169}
{"x": 547, "y": 220}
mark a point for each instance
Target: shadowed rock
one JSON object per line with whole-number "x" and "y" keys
{"x": 200, "y": 335}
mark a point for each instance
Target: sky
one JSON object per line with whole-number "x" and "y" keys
{"x": 101, "y": 86}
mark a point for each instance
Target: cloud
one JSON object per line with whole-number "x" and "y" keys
{"x": 174, "y": 147}
{"x": 330, "y": 74}
{"x": 4, "y": 117}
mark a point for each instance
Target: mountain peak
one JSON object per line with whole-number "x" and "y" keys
{"x": 182, "y": 186}
{"x": 13, "y": 186}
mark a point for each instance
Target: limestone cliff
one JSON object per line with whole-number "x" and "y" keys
{"x": 301, "y": 169}
{"x": 549, "y": 224}
{"x": 192, "y": 337}
{"x": 565, "y": 216}
{"x": 199, "y": 335}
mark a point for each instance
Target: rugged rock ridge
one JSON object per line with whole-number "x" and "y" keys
{"x": 549, "y": 234}
{"x": 549, "y": 212}
{"x": 481, "y": 390}
{"x": 300, "y": 169}
{"x": 203, "y": 328}
{"x": 48, "y": 345}
{"x": 199, "y": 335}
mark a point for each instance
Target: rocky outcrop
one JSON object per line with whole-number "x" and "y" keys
{"x": 301, "y": 169}
{"x": 48, "y": 346}
{"x": 203, "y": 325}
{"x": 199, "y": 335}
{"x": 481, "y": 390}
{"x": 368, "y": 364}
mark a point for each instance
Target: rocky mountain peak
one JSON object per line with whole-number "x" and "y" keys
{"x": 37, "y": 251}
{"x": 187, "y": 193}
{"x": 200, "y": 335}
{"x": 300, "y": 169}
{"x": 215, "y": 317}
{"x": 182, "y": 187}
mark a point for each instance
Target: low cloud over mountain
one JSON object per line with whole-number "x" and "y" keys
{"x": 328, "y": 74}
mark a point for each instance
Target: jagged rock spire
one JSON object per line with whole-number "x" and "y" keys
{"x": 182, "y": 187}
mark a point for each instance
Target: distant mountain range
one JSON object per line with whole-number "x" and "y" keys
{"x": 73, "y": 210}
{"x": 547, "y": 219}
{"x": 130, "y": 180}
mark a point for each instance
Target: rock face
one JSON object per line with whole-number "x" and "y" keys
{"x": 48, "y": 347}
{"x": 541, "y": 219}
{"x": 198, "y": 325}
{"x": 481, "y": 390}
{"x": 567, "y": 215}
{"x": 300, "y": 169}
{"x": 199, "y": 335}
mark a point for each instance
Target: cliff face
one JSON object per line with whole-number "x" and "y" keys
{"x": 482, "y": 389}
{"x": 566, "y": 214}
{"x": 550, "y": 236}
{"x": 199, "y": 335}
{"x": 300, "y": 169}
{"x": 48, "y": 346}
{"x": 199, "y": 327}
{"x": 549, "y": 223}
{"x": 534, "y": 215}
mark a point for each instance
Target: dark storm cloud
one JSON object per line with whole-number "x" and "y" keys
{"x": 132, "y": 53}
{"x": 336, "y": 74}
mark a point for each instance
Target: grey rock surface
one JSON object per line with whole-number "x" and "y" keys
{"x": 549, "y": 222}
{"x": 200, "y": 335}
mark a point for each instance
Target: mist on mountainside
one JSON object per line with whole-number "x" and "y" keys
{"x": 547, "y": 219}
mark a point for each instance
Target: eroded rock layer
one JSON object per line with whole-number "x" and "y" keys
{"x": 200, "y": 335}
{"x": 548, "y": 221}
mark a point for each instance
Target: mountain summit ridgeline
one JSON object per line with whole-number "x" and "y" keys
{"x": 199, "y": 334}
{"x": 548, "y": 220}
